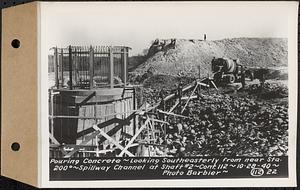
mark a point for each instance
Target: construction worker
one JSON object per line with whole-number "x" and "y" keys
{"x": 163, "y": 45}
{"x": 153, "y": 48}
{"x": 261, "y": 76}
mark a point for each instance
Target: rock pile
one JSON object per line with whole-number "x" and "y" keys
{"x": 220, "y": 125}
{"x": 269, "y": 91}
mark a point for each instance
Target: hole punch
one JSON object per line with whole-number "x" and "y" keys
{"x": 16, "y": 43}
{"x": 15, "y": 146}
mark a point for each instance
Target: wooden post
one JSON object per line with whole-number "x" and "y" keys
{"x": 111, "y": 59}
{"x": 125, "y": 53}
{"x": 91, "y": 62}
{"x": 70, "y": 68}
{"x": 75, "y": 66}
{"x": 61, "y": 60}
{"x": 52, "y": 112}
{"x": 134, "y": 108}
{"x": 97, "y": 146}
{"x": 56, "y": 68}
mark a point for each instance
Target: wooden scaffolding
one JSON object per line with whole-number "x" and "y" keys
{"x": 93, "y": 114}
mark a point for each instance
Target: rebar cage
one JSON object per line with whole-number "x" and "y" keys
{"x": 89, "y": 67}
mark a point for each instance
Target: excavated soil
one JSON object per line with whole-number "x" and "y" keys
{"x": 187, "y": 55}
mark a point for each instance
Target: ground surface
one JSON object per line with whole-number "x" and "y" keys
{"x": 248, "y": 122}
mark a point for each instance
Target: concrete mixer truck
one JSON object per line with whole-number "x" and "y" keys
{"x": 228, "y": 71}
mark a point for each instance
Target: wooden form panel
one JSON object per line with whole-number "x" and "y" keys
{"x": 19, "y": 122}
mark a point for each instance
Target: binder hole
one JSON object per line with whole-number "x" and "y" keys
{"x": 15, "y": 43}
{"x": 15, "y": 146}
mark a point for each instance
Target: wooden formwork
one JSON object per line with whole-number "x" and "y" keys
{"x": 74, "y": 113}
{"x": 89, "y": 90}
{"x": 106, "y": 121}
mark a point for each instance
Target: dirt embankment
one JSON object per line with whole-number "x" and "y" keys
{"x": 185, "y": 56}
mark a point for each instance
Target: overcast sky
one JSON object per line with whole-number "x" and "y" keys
{"x": 137, "y": 24}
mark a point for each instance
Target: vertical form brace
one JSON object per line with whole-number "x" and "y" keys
{"x": 91, "y": 63}
{"x": 111, "y": 59}
{"x": 70, "y": 68}
{"x": 56, "y": 67}
{"x": 51, "y": 135}
{"x": 125, "y": 65}
{"x": 52, "y": 113}
{"x": 61, "y": 67}
{"x": 75, "y": 66}
{"x": 134, "y": 108}
{"x": 97, "y": 146}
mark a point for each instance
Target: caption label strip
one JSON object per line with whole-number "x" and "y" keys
{"x": 168, "y": 168}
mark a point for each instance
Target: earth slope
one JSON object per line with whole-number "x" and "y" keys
{"x": 188, "y": 55}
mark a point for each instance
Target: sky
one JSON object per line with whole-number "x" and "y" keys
{"x": 137, "y": 24}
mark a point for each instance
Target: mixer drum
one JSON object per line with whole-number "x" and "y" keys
{"x": 231, "y": 65}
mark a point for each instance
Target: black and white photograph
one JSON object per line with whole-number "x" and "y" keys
{"x": 182, "y": 97}
{"x": 199, "y": 90}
